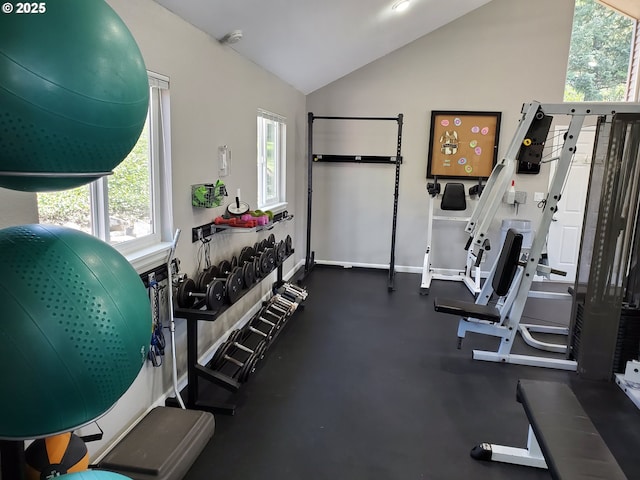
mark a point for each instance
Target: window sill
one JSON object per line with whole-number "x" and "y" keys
{"x": 149, "y": 258}
{"x": 276, "y": 207}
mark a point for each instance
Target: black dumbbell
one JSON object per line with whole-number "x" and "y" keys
{"x": 295, "y": 290}
{"x": 286, "y": 305}
{"x": 247, "y": 270}
{"x": 280, "y": 250}
{"x": 225, "y": 355}
{"x": 265, "y": 318}
{"x": 265, "y": 255}
{"x": 232, "y": 278}
{"x": 213, "y": 295}
{"x": 251, "y": 271}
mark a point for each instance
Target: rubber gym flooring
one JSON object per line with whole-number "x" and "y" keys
{"x": 366, "y": 384}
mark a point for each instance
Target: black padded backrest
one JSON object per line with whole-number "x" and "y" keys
{"x": 507, "y": 263}
{"x": 453, "y": 197}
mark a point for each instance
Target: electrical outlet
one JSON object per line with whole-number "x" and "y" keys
{"x": 521, "y": 197}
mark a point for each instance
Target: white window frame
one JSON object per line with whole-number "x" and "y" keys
{"x": 278, "y": 200}
{"x": 150, "y": 251}
{"x": 146, "y": 252}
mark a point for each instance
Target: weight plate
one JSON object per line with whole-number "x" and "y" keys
{"x": 260, "y": 349}
{"x": 245, "y": 255}
{"x": 218, "y": 358}
{"x": 289, "y": 243}
{"x": 234, "y": 262}
{"x": 225, "y": 267}
{"x": 264, "y": 264}
{"x": 248, "y": 368}
{"x": 248, "y": 276}
{"x": 235, "y": 335}
{"x": 263, "y": 245}
{"x": 215, "y": 296}
{"x": 237, "y": 277}
{"x": 209, "y": 276}
{"x": 271, "y": 240}
{"x": 214, "y": 272}
{"x": 184, "y": 289}
{"x": 281, "y": 252}
{"x": 234, "y": 288}
{"x": 198, "y": 280}
{"x": 256, "y": 269}
{"x": 256, "y": 246}
{"x": 271, "y": 257}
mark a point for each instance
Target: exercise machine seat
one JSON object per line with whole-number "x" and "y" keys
{"x": 572, "y": 447}
{"x": 502, "y": 279}
{"x": 467, "y": 309}
{"x": 453, "y": 197}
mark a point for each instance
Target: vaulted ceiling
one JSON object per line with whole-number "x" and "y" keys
{"x": 311, "y": 43}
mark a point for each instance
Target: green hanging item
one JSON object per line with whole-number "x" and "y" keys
{"x": 208, "y": 195}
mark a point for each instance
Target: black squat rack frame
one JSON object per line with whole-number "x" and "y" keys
{"x": 313, "y": 158}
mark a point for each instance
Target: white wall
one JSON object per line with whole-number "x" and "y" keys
{"x": 17, "y": 208}
{"x": 495, "y": 58}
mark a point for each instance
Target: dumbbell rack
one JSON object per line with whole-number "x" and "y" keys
{"x": 196, "y": 371}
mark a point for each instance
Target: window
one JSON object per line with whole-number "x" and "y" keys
{"x": 271, "y": 160}
{"x": 129, "y": 209}
{"x": 602, "y": 58}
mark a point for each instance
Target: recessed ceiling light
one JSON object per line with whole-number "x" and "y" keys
{"x": 400, "y": 6}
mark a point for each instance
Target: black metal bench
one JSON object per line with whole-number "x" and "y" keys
{"x": 564, "y": 438}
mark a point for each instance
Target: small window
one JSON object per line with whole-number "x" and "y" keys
{"x": 271, "y": 160}
{"x": 127, "y": 209}
{"x": 600, "y": 58}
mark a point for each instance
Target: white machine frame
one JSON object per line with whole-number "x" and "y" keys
{"x": 470, "y": 275}
{"x": 529, "y": 457}
{"x": 485, "y": 211}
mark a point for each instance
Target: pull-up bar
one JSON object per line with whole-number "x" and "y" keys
{"x": 313, "y": 158}
{"x": 355, "y": 118}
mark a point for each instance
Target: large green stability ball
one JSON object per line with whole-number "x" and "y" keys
{"x": 75, "y": 325}
{"x": 74, "y": 93}
{"x": 93, "y": 475}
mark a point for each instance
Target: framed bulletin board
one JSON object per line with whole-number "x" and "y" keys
{"x": 463, "y": 144}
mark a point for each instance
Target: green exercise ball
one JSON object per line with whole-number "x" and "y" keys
{"x": 74, "y": 94}
{"x": 75, "y": 326}
{"x": 93, "y": 475}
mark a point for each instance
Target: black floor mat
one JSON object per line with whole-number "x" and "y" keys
{"x": 366, "y": 384}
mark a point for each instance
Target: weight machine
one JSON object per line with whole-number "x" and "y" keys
{"x": 313, "y": 158}
{"x": 528, "y": 145}
{"x": 453, "y": 199}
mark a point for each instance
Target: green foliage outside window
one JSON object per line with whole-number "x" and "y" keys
{"x": 599, "y": 55}
{"x": 129, "y": 194}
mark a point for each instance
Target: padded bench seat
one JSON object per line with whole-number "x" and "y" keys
{"x": 570, "y": 443}
{"x": 467, "y": 309}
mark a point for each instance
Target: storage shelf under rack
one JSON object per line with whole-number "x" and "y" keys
{"x": 197, "y": 371}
